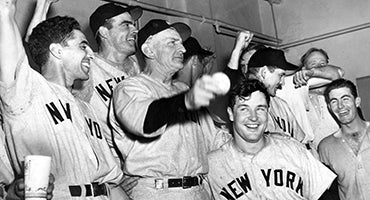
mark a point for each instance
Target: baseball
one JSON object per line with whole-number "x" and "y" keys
{"x": 222, "y": 81}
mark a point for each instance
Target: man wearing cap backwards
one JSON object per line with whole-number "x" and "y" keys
{"x": 166, "y": 133}
{"x": 259, "y": 165}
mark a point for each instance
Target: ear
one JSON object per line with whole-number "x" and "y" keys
{"x": 263, "y": 71}
{"x": 231, "y": 114}
{"x": 145, "y": 48}
{"x": 56, "y": 50}
{"x": 358, "y": 101}
{"x": 103, "y": 31}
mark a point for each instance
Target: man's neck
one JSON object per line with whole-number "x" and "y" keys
{"x": 158, "y": 73}
{"x": 248, "y": 147}
{"x": 114, "y": 57}
{"x": 354, "y": 133}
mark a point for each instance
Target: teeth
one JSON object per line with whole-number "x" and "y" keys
{"x": 252, "y": 126}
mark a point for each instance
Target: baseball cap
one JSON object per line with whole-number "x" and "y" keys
{"x": 193, "y": 47}
{"x": 109, "y": 10}
{"x": 155, "y": 26}
{"x": 270, "y": 57}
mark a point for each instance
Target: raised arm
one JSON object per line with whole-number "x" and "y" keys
{"x": 41, "y": 10}
{"x": 11, "y": 47}
{"x": 242, "y": 41}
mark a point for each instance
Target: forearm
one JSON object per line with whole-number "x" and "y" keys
{"x": 329, "y": 72}
{"x": 160, "y": 112}
{"x": 41, "y": 10}
{"x": 11, "y": 48}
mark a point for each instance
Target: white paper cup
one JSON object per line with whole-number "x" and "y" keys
{"x": 36, "y": 176}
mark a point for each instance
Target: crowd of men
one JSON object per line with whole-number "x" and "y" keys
{"x": 116, "y": 129}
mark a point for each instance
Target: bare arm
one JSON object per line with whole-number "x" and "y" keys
{"x": 242, "y": 41}
{"x": 323, "y": 76}
{"x": 41, "y": 10}
{"x": 11, "y": 47}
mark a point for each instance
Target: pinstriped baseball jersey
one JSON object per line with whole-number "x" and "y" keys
{"x": 98, "y": 89}
{"x": 282, "y": 120}
{"x": 44, "y": 118}
{"x": 174, "y": 150}
{"x": 283, "y": 169}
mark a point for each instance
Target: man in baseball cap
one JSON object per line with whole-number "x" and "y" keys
{"x": 158, "y": 123}
{"x": 196, "y": 62}
{"x": 114, "y": 29}
{"x": 270, "y": 67}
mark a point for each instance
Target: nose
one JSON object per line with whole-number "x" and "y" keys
{"x": 253, "y": 116}
{"x": 282, "y": 80}
{"x": 182, "y": 48}
{"x": 340, "y": 104}
{"x": 89, "y": 52}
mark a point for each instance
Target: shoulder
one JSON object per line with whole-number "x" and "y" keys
{"x": 329, "y": 141}
{"x": 220, "y": 153}
{"x": 284, "y": 141}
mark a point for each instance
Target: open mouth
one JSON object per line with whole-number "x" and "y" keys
{"x": 253, "y": 126}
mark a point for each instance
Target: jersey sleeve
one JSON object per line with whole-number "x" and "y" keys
{"x": 131, "y": 100}
{"x": 318, "y": 176}
{"x": 17, "y": 95}
{"x": 214, "y": 135}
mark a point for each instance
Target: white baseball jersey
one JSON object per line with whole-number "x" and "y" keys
{"x": 44, "y": 118}
{"x": 353, "y": 170}
{"x": 283, "y": 169}
{"x": 282, "y": 120}
{"x": 6, "y": 172}
{"x": 310, "y": 110}
{"x": 98, "y": 89}
{"x": 175, "y": 150}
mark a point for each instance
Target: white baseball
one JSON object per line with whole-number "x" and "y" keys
{"x": 223, "y": 82}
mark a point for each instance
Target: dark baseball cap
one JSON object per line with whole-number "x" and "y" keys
{"x": 270, "y": 57}
{"x": 193, "y": 47}
{"x": 109, "y": 10}
{"x": 155, "y": 26}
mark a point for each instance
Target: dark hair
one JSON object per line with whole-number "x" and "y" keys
{"x": 53, "y": 30}
{"x": 340, "y": 83}
{"x": 308, "y": 53}
{"x": 244, "y": 88}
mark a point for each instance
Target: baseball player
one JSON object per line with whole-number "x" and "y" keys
{"x": 269, "y": 66}
{"x": 347, "y": 151}
{"x": 41, "y": 116}
{"x": 160, "y": 128}
{"x": 260, "y": 165}
{"x": 115, "y": 33}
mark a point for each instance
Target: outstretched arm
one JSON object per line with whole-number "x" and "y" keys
{"x": 42, "y": 8}
{"x": 11, "y": 47}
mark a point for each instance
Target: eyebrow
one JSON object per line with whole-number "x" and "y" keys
{"x": 127, "y": 22}
{"x": 346, "y": 95}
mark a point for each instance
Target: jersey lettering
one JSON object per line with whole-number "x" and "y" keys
{"x": 284, "y": 125}
{"x": 243, "y": 184}
{"x": 94, "y": 128}
{"x": 281, "y": 178}
{"x": 237, "y": 187}
{"x": 103, "y": 92}
{"x": 56, "y": 114}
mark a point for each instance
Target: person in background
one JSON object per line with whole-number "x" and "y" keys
{"x": 160, "y": 126}
{"x": 197, "y": 62}
{"x": 347, "y": 151}
{"x": 257, "y": 164}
